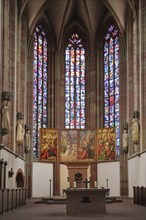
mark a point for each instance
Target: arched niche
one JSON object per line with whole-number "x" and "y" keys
{"x": 19, "y": 179}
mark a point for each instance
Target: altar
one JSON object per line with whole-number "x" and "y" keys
{"x": 82, "y": 201}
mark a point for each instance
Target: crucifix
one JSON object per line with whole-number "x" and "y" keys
{"x": 86, "y": 183}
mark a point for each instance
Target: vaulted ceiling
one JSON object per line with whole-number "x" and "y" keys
{"x": 89, "y": 13}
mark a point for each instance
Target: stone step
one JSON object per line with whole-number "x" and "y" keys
{"x": 62, "y": 200}
{"x": 113, "y": 199}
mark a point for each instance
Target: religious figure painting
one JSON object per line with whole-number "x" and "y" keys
{"x": 68, "y": 145}
{"x": 106, "y": 143}
{"x": 48, "y": 144}
{"x": 86, "y": 148}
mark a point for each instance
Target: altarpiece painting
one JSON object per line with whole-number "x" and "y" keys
{"x": 68, "y": 145}
{"x": 86, "y": 149}
{"x": 48, "y": 144}
{"x": 77, "y": 145}
{"x": 106, "y": 144}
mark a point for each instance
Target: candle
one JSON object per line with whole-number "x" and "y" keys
{"x": 95, "y": 184}
{"x": 75, "y": 184}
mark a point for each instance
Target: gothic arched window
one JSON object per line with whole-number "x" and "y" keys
{"x": 75, "y": 83}
{"x": 111, "y": 82}
{"x": 40, "y": 79}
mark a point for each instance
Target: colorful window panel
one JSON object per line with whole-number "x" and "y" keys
{"x": 111, "y": 83}
{"x": 40, "y": 79}
{"x": 75, "y": 84}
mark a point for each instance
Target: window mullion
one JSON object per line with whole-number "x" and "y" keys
{"x": 37, "y": 96}
{"x": 70, "y": 118}
{"x": 109, "y": 83}
{"x": 75, "y": 90}
{"x": 114, "y": 76}
{"x": 80, "y": 86}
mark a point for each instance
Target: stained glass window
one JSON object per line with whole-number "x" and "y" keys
{"x": 111, "y": 82}
{"x": 40, "y": 79}
{"x": 75, "y": 83}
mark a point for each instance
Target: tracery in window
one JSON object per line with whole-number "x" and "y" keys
{"x": 40, "y": 79}
{"x": 111, "y": 82}
{"x": 75, "y": 83}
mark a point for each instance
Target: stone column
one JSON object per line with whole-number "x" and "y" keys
{"x": 91, "y": 88}
{"x": 56, "y": 179}
{"x": 136, "y": 73}
{"x": 143, "y": 74}
{"x": 59, "y": 91}
{"x": 6, "y": 44}
{"x": 135, "y": 65}
{"x": 124, "y": 111}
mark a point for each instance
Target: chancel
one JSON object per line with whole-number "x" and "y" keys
{"x": 73, "y": 101}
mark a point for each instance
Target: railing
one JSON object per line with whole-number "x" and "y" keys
{"x": 139, "y": 195}
{"x": 12, "y": 199}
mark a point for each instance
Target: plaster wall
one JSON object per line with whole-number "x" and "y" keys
{"x": 63, "y": 178}
{"x": 42, "y": 173}
{"x": 110, "y": 171}
{"x": 12, "y": 162}
{"x": 40, "y": 184}
{"x": 136, "y": 172}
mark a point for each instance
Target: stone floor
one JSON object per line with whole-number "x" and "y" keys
{"x": 115, "y": 211}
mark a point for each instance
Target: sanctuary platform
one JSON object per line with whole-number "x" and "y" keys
{"x": 82, "y": 201}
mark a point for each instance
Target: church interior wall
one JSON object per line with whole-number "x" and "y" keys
{"x": 136, "y": 172}
{"x": 109, "y": 172}
{"x": 42, "y": 173}
{"x": 63, "y": 178}
{"x": 143, "y": 71}
{"x": 14, "y": 163}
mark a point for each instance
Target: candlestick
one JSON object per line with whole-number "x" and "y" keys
{"x": 107, "y": 183}
{"x": 50, "y": 188}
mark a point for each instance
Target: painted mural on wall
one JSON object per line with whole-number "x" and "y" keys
{"x": 86, "y": 150}
{"x": 48, "y": 144}
{"x": 106, "y": 143}
{"x": 68, "y": 145}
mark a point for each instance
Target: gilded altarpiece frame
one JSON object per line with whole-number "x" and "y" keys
{"x": 106, "y": 144}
